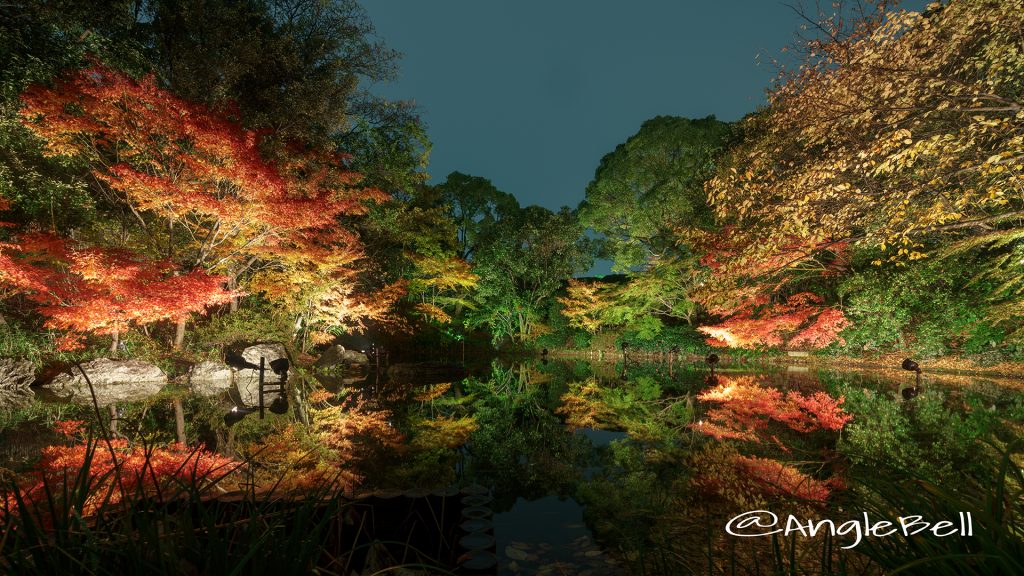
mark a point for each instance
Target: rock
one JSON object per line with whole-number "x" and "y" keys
{"x": 269, "y": 352}
{"x": 247, "y": 381}
{"x": 16, "y": 374}
{"x": 210, "y": 377}
{"x": 14, "y": 398}
{"x": 113, "y": 381}
{"x": 337, "y": 355}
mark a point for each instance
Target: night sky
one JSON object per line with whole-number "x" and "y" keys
{"x": 532, "y": 93}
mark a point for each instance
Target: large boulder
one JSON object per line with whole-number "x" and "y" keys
{"x": 16, "y": 373}
{"x": 112, "y": 380}
{"x": 338, "y": 356}
{"x": 210, "y": 377}
{"x": 247, "y": 380}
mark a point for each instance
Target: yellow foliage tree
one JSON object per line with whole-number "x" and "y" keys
{"x": 906, "y": 128}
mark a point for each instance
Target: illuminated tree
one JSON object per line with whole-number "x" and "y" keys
{"x": 441, "y": 284}
{"x": 896, "y": 133}
{"x": 585, "y": 303}
{"x": 801, "y": 321}
{"x": 102, "y": 291}
{"x": 194, "y": 187}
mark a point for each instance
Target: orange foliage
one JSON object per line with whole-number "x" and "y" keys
{"x": 745, "y": 408}
{"x": 115, "y": 475}
{"x": 763, "y": 325}
{"x": 102, "y": 291}
{"x": 199, "y": 183}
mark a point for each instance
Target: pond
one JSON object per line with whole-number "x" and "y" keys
{"x": 576, "y": 467}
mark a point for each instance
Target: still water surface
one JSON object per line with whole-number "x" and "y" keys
{"x": 600, "y": 468}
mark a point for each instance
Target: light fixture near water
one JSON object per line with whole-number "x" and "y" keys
{"x": 278, "y": 405}
{"x": 912, "y": 366}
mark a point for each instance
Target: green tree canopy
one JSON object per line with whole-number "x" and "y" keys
{"x": 522, "y": 262}
{"x": 291, "y": 66}
{"x": 476, "y": 206}
{"x": 651, "y": 185}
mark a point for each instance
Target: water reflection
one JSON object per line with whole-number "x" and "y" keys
{"x": 602, "y": 467}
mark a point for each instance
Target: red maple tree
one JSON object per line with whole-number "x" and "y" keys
{"x": 198, "y": 188}
{"x": 802, "y": 320}
{"x": 102, "y": 291}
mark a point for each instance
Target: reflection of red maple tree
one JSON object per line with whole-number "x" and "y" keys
{"x": 749, "y": 481}
{"x": 745, "y": 408}
{"x": 115, "y": 471}
{"x": 774, "y": 478}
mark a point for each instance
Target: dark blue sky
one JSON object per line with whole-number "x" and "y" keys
{"x": 532, "y": 93}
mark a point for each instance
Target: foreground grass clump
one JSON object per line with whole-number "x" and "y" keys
{"x": 103, "y": 507}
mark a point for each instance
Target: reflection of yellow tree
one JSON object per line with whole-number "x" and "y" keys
{"x": 340, "y": 439}
{"x": 583, "y": 406}
{"x": 443, "y": 432}
{"x": 639, "y": 407}
{"x": 347, "y": 441}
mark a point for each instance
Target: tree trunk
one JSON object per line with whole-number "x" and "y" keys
{"x": 114, "y": 419}
{"x": 233, "y": 285}
{"x": 179, "y": 333}
{"x": 115, "y": 339}
{"x": 179, "y": 420}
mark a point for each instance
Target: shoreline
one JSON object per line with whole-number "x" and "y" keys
{"x": 942, "y": 368}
